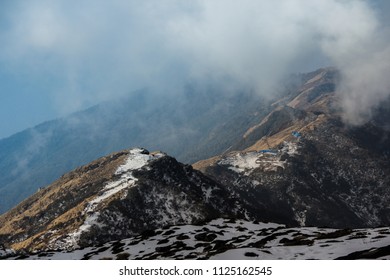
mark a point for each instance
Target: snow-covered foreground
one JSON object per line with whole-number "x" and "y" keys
{"x": 227, "y": 239}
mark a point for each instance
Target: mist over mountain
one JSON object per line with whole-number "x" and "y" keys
{"x": 56, "y": 59}
{"x": 199, "y": 124}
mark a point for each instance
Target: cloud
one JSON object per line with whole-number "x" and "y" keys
{"x": 254, "y": 42}
{"x": 258, "y": 42}
{"x": 94, "y": 50}
{"x": 360, "y": 49}
{"x": 23, "y": 158}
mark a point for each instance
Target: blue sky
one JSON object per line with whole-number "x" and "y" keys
{"x": 60, "y": 56}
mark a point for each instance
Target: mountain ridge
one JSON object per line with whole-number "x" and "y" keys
{"x": 113, "y": 197}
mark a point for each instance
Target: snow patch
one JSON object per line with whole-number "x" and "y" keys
{"x": 6, "y": 252}
{"x": 241, "y": 162}
{"x": 300, "y": 217}
{"x": 266, "y": 160}
{"x": 138, "y": 158}
{"x": 291, "y": 148}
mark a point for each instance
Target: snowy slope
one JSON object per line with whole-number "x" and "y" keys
{"x": 238, "y": 239}
{"x": 137, "y": 159}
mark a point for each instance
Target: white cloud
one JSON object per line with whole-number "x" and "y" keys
{"x": 258, "y": 42}
{"x": 94, "y": 50}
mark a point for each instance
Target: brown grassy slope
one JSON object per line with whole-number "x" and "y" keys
{"x": 58, "y": 207}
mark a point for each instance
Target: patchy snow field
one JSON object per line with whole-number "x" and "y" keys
{"x": 227, "y": 239}
{"x": 266, "y": 160}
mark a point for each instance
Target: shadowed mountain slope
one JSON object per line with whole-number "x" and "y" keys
{"x": 304, "y": 165}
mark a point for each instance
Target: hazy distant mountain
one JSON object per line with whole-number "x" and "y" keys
{"x": 193, "y": 125}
